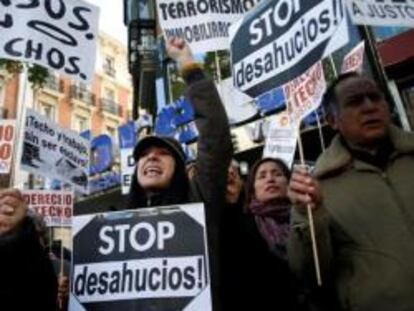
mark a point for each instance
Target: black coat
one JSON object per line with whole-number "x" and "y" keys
{"x": 214, "y": 152}
{"x": 253, "y": 278}
{"x": 27, "y": 279}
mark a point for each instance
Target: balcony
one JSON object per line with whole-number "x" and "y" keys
{"x": 108, "y": 105}
{"x": 109, "y": 70}
{"x": 79, "y": 93}
{"x": 52, "y": 83}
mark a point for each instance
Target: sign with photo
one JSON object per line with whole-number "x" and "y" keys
{"x": 203, "y": 24}
{"x": 7, "y": 135}
{"x": 281, "y": 138}
{"x": 280, "y": 39}
{"x": 59, "y": 35}
{"x": 56, "y": 207}
{"x": 55, "y": 152}
{"x": 146, "y": 259}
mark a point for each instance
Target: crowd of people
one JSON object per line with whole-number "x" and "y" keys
{"x": 261, "y": 256}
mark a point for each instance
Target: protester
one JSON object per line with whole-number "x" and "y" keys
{"x": 267, "y": 200}
{"x": 160, "y": 176}
{"x": 57, "y": 263}
{"x": 361, "y": 193}
{"x": 253, "y": 277}
{"x": 27, "y": 280}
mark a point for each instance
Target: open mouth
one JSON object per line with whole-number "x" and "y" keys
{"x": 152, "y": 171}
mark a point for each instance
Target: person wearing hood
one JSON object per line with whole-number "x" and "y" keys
{"x": 160, "y": 176}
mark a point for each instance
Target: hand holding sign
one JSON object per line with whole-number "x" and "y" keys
{"x": 12, "y": 210}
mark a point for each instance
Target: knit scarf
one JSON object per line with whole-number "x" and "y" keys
{"x": 272, "y": 220}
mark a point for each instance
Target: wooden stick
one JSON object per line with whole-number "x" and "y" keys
{"x": 311, "y": 223}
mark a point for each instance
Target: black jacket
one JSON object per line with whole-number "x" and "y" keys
{"x": 214, "y": 151}
{"x": 252, "y": 277}
{"x": 27, "y": 279}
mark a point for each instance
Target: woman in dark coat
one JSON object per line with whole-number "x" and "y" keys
{"x": 255, "y": 276}
{"x": 160, "y": 177}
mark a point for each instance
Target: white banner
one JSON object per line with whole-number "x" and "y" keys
{"x": 59, "y": 35}
{"x": 280, "y": 39}
{"x": 382, "y": 12}
{"x": 304, "y": 94}
{"x": 7, "y": 135}
{"x": 354, "y": 60}
{"x": 127, "y": 168}
{"x": 55, "y": 152}
{"x": 203, "y": 24}
{"x": 56, "y": 207}
{"x": 281, "y": 139}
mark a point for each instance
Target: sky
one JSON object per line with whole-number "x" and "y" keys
{"x": 111, "y": 20}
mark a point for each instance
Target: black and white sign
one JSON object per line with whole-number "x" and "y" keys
{"x": 60, "y": 35}
{"x": 204, "y": 24}
{"x": 54, "y": 152}
{"x": 382, "y": 12}
{"x": 127, "y": 168}
{"x": 146, "y": 259}
{"x": 280, "y": 39}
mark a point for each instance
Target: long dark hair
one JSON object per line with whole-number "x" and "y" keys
{"x": 252, "y": 176}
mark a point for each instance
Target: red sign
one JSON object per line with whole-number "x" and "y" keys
{"x": 55, "y": 206}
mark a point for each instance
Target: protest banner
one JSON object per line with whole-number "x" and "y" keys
{"x": 127, "y": 142}
{"x": 382, "y": 12}
{"x": 56, "y": 207}
{"x": 60, "y": 35}
{"x": 54, "y": 152}
{"x": 304, "y": 93}
{"x": 204, "y": 24}
{"x": 354, "y": 60}
{"x": 280, "y": 39}
{"x": 281, "y": 139}
{"x": 147, "y": 259}
{"x": 7, "y": 136}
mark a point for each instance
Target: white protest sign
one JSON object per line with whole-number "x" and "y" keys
{"x": 281, "y": 139}
{"x": 203, "y": 24}
{"x": 304, "y": 94}
{"x": 382, "y": 12}
{"x": 60, "y": 35}
{"x": 354, "y": 60}
{"x": 56, "y": 207}
{"x": 127, "y": 168}
{"x": 7, "y": 134}
{"x": 136, "y": 260}
{"x": 55, "y": 152}
{"x": 280, "y": 39}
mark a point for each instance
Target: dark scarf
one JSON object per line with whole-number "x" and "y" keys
{"x": 272, "y": 220}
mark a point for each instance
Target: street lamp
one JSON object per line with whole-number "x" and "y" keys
{"x": 139, "y": 16}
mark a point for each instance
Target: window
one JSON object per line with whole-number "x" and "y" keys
{"x": 80, "y": 124}
{"x": 109, "y": 65}
{"x": 48, "y": 111}
{"x": 109, "y": 94}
